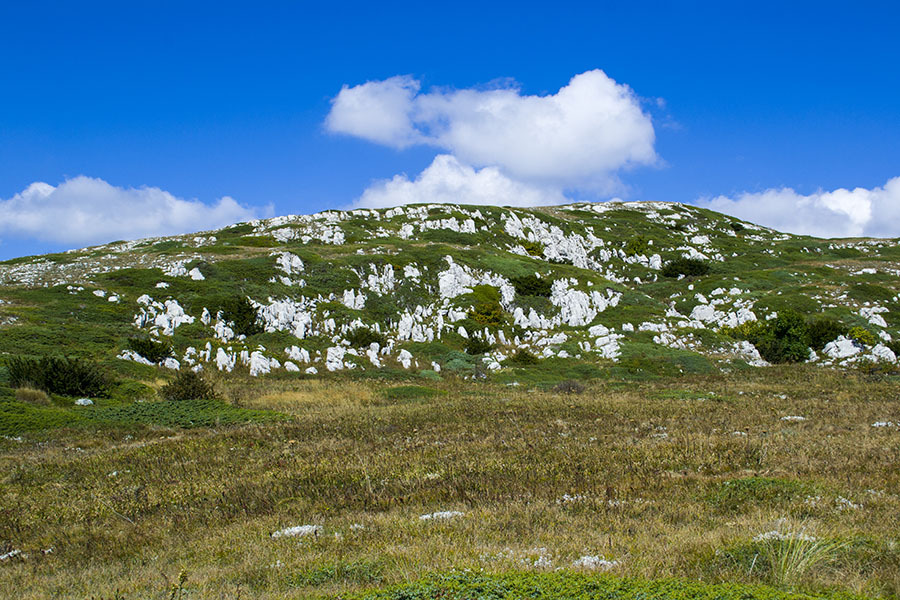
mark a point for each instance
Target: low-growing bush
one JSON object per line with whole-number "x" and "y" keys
{"x": 531, "y": 285}
{"x": 784, "y": 339}
{"x": 363, "y": 337}
{"x": 477, "y": 345}
{"x": 736, "y": 226}
{"x": 58, "y": 375}
{"x": 487, "y": 313}
{"x": 823, "y": 331}
{"x": 155, "y": 351}
{"x": 533, "y": 248}
{"x": 638, "y": 244}
{"x": 523, "y": 358}
{"x": 32, "y": 396}
{"x": 188, "y": 385}
{"x": 689, "y": 267}
{"x": 862, "y": 336}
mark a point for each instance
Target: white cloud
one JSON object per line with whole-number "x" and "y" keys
{"x": 449, "y": 181}
{"x": 578, "y": 137}
{"x": 85, "y": 210}
{"x": 839, "y": 213}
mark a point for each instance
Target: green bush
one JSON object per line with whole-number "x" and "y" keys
{"x": 535, "y": 249}
{"x": 531, "y": 285}
{"x": 689, "y": 267}
{"x": 155, "y": 351}
{"x": 523, "y": 358}
{"x": 487, "y": 313}
{"x": 188, "y": 385}
{"x": 736, "y": 226}
{"x": 363, "y": 337}
{"x": 862, "y": 336}
{"x": 824, "y": 330}
{"x": 638, "y": 244}
{"x": 240, "y": 312}
{"x": 476, "y": 345}
{"x": 784, "y": 339}
{"x": 58, "y": 375}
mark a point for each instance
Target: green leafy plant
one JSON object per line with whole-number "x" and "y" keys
{"x": 155, "y": 351}
{"x": 523, "y": 358}
{"x": 58, "y": 375}
{"x": 363, "y": 337}
{"x": 188, "y": 385}
{"x": 689, "y": 267}
{"x": 638, "y": 244}
{"x": 240, "y": 312}
{"x": 535, "y": 249}
{"x": 824, "y": 330}
{"x": 531, "y": 285}
{"x": 487, "y": 313}
{"x": 862, "y": 336}
{"x": 477, "y": 345}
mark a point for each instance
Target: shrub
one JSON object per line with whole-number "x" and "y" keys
{"x": 689, "y": 267}
{"x": 363, "y": 337}
{"x": 188, "y": 385}
{"x": 58, "y": 375}
{"x": 894, "y": 346}
{"x": 487, "y": 313}
{"x": 736, "y": 226}
{"x": 476, "y": 345}
{"x": 531, "y": 285}
{"x": 240, "y": 312}
{"x": 533, "y": 248}
{"x": 153, "y": 350}
{"x": 569, "y": 386}
{"x": 862, "y": 336}
{"x": 32, "y": 396}
{"x": 638, "y": 244}
{"x": 784, "y": 339}
{"x": 824, "y": 330}
{"x": 523, "y": 358}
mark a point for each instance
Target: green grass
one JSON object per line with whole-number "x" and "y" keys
{"x": 574, "y": 586}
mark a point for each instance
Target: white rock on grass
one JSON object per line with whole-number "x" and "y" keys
{"x": 594, "y": 562}
{"x": 441, "y": 515}
{"x": 84, "y": 402}
{"x": 298, "y": 530}
{"x": 841, "y": 348}
{"x": 196, "y": 275}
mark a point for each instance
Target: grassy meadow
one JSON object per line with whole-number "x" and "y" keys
{"x": 684, "y": 487}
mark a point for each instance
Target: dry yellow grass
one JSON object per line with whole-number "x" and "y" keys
{"x": 635, "y": 473}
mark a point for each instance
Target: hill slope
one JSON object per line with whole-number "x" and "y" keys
{"x": 575, "y": 290}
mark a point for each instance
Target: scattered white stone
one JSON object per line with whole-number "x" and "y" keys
{"x": 196, "y": 275}
{"x": 793, "y": 418}
{"x": 299, "y": 530}
{"x": 441, "y": 515}
{"x": 84, "y": 402}
{"x": 595, "y": 563}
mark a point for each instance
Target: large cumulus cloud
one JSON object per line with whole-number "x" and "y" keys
{"x": 577, "y": 138}
{"x": 85, "y": 210}
{"x": 839, "y": 213}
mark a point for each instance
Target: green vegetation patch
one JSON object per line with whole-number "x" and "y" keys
{"x": 576, "y": 586}
{"x": 735, "y": 495}
{"x": 179, "y": 413}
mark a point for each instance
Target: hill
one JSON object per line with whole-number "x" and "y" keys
{"x": 585, "y": 290}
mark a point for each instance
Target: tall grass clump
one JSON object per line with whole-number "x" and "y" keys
{"x": 58, "y": 375}
{"x": 793, "y": 553}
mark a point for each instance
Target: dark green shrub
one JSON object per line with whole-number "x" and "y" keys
{"x": 824, "y": 330}
{"x": 476, "y": 345}
{"x": 188, "y": 385}
{"x": 784, "y": 339}
{"x": 736, "y": 226}
{"x": 531, "y": 285}
{"x": 894, "y": 346}
{"x": 58, "y": 375}
{"x": 689, "y": 267}
{"x": 240, "y": 312}
{"x": 363, "y": 337}
{"x": 523, "y": 358}
{"x": 638, "y": 244}
{"x": 155, "y": 351}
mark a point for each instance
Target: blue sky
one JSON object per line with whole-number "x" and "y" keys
{"x": 766, "y": 110}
